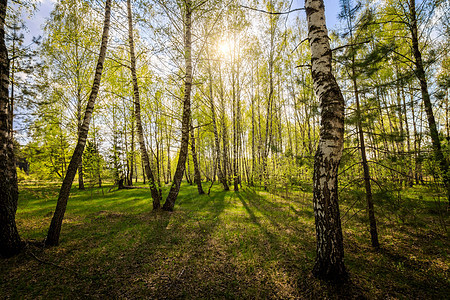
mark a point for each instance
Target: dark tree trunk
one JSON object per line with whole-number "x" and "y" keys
{"x": 80, "y": 175}
{"x": 155, "y": 191}
{"x": 367, "y": 183}
{"x": 420, "y": 74}
{"x": 181, "y": 165}
{"x": 416, "y": 138}
{"x": 120, "y": 184}
{"x": 187, "y": 172}
{"x": 143, "y": 172}
{"x": 329, "y": 263}
{"x": 55, "y": 225}
{"x": 10, "y": 243}
{"x": 362, "y": 144}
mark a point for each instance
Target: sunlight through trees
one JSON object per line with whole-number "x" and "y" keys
{"x": 244, "y": 95}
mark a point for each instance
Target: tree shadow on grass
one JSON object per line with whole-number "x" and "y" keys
{"x": 404, "y": 271}
{"x": 255, "y": 220}
{"x": 185, "y": 251}
{"x": 298, "y": 259}
{"x": 290, "y": 265}
{"x": 279, "y": 214}
{"x": 241, "y": 245}
{"x": 308, "y": 214}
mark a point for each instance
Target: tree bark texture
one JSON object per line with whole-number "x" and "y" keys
{"x": 10, "y": 243}
{"x": 329, "y": 263}
{"x": 155, "y": 191}
{"x": 56, "y": 223}
{"x": 185, "y": 122}
{"x": 12, "y": 80}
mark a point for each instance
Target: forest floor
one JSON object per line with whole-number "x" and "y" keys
{"x": 229, "y": 245}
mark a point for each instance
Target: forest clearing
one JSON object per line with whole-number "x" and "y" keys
{"x": 228, "y": 149}
{"x": 229, "y": 245}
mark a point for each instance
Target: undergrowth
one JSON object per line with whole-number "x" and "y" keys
{"x": 250, "y": 244}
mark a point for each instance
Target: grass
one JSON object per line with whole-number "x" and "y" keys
{"x": 231, "y": 245}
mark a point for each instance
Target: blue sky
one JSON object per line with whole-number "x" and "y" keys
{"x": 35, "y": 23}
{"x": 331, "y": 12}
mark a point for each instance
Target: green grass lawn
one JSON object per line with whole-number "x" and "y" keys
{"x": 229, "y": 245}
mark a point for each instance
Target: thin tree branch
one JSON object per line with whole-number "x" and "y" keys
{"x": 405, "y": 57}
{"x": 298, "y": 45}
{"x": 343, "y": 171}
{"x": 272, "y": 13}
{"x": 350, "y": 45}
{"x": 198, "y": 5}
{"x": 393, "y": 170}
{"x": 303, "y": 66}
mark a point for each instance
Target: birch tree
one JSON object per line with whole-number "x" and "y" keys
{"x": 56, "y": 223}
{"x": 156, "y": 193}
{"x": 10, "y": 243}
{"x": 329, "y": 263}
{"x": 185, "y": 123}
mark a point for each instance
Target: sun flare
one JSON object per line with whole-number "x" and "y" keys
{"x": 225, "y": 47}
